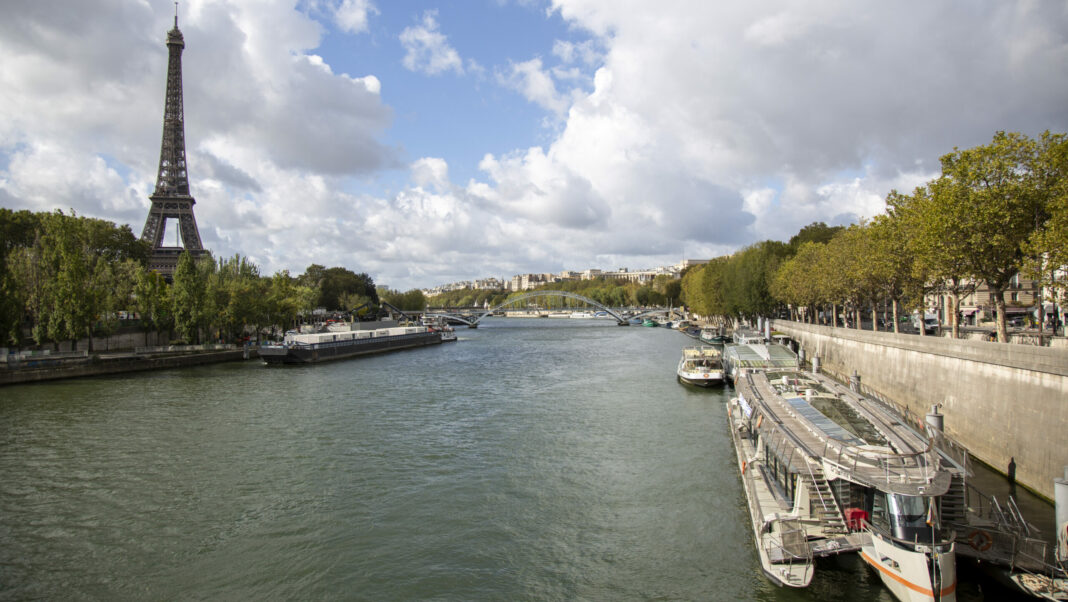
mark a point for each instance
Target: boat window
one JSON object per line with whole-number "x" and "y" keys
{"x": 879, "y": 515}
{"x": 908, "y": 510}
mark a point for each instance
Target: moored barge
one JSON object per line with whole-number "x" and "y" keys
{"x": 310, "y": 348}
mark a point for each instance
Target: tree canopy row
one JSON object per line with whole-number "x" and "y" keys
{"x": 995, "y": 211}
{"x": 64, "y": 277}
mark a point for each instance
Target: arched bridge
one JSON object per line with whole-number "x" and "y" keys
{"x": 534, "y": 295}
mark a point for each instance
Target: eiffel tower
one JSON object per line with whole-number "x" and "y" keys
{"x": 171, "y": 199}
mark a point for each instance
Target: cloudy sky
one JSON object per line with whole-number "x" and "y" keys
{"x": 429, "y": 142}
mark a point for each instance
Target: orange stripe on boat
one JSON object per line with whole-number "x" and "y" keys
{"x": 906, "y": 582}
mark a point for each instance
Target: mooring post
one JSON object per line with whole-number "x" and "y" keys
{"x": 936, "y": 422}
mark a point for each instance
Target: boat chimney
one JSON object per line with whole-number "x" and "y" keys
{"x": 815, "y": 364}
{"x": 767, "y": 329}
{"x": 801, "y": 354}
{"x": 935, "y": 419}
{"x": 1060, "y": 497}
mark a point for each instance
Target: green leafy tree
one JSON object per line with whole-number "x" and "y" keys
{"x": 120, "y": 292}
{"x": 287, "y": 300}
{"x": 892, "y": 262}
{"x": 814, "y": 232}
{"x": 928, "y": 221}
{"x": 32, "y": 272}
{"x": 152, "y": 303}
{"x": 990, "y": 194}
{"x": 747, "y": 277}
{"x": 238, "y": 297}
{"x": 332, "y": 283}
{"x": 18, "y": 230}
{"x": 795, "y": 282}
{"x": 81, "y": 278}
{"x": 1046, "y": 252}
{"x": 414, "y": 300}
{"x": 189, "y": 301}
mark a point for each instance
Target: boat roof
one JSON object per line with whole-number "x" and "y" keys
{"x": 905, "y": 465}
{"x": 822, "y": 422}
{"x": 699, "y": 351}
{"x": 760, "y": 355}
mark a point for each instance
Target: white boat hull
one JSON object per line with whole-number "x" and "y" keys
{"x": 702, "y": 379}
{"x": 908, "y": 574}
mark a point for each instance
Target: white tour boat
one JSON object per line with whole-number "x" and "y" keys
{"x": 701, "y": 365}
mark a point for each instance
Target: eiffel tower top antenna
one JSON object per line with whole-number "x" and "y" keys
{"x": 176, "y": 14}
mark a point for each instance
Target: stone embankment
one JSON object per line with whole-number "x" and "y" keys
{"x": 23, "y": 368}
{"x": 1005, "y": 403}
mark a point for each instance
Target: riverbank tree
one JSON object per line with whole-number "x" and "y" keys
{"x": 412, "y": 300}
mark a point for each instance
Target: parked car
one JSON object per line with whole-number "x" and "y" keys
{"x": 930, "y": 322}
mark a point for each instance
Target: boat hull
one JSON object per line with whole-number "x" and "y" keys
{"x": 324, "y": 352}
{"x": 907, "y": 573}
{"x": 702, "y": 379}
{"x": 767, "y": 533}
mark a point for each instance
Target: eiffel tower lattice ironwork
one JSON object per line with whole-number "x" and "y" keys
{"x": 171, "y": 199}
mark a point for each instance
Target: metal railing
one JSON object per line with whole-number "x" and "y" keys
{"x": 792, "y": 542}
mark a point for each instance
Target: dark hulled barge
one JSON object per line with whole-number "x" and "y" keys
{"x": 310, "y": 348}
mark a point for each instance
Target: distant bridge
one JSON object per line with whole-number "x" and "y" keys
{"x": 473, "y": 323}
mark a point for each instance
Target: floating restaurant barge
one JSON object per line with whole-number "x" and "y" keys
{"x": 828, "y": 471}
{"x": 334, "y": 345}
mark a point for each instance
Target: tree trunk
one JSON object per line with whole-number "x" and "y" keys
{"x": 834, "y": 315}
{"x": 999, "y": 303}
{"x": 893, "y": 304}
{"x": 856, "y": 316}
{"x": 874, "y": 318}
{"x": 1041, "y": 311}
{"x": 954, "y": 309}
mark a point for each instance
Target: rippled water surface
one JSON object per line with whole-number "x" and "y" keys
{"x": 531, "y": 460}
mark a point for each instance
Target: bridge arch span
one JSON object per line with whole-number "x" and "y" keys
{"x": 535, "y": 295}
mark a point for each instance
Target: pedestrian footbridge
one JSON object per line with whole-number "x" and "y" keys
{"x": 473, "y": 322}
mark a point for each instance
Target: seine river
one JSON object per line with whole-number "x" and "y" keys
{"x": 530, "y": 460}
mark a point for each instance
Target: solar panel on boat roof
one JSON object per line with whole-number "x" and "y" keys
{"x": 822, "y": 422}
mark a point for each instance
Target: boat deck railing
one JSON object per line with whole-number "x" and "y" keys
{"x": 945, "y": 444}
{"x": 891, "y": 469}
{"x": 909, "y": 473}
{"x": 791, "y": 546}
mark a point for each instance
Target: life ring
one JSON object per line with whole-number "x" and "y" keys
{"x": 706, "y": 374}
{"x": 744, "y": 464}
{"x": 980, "y": 540}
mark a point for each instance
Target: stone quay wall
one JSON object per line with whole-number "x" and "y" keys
{"x": 1003, "y": 402}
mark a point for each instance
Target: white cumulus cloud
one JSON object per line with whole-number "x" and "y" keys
{"x": 352, "y": 15}
{"x": 427, "y": 49}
